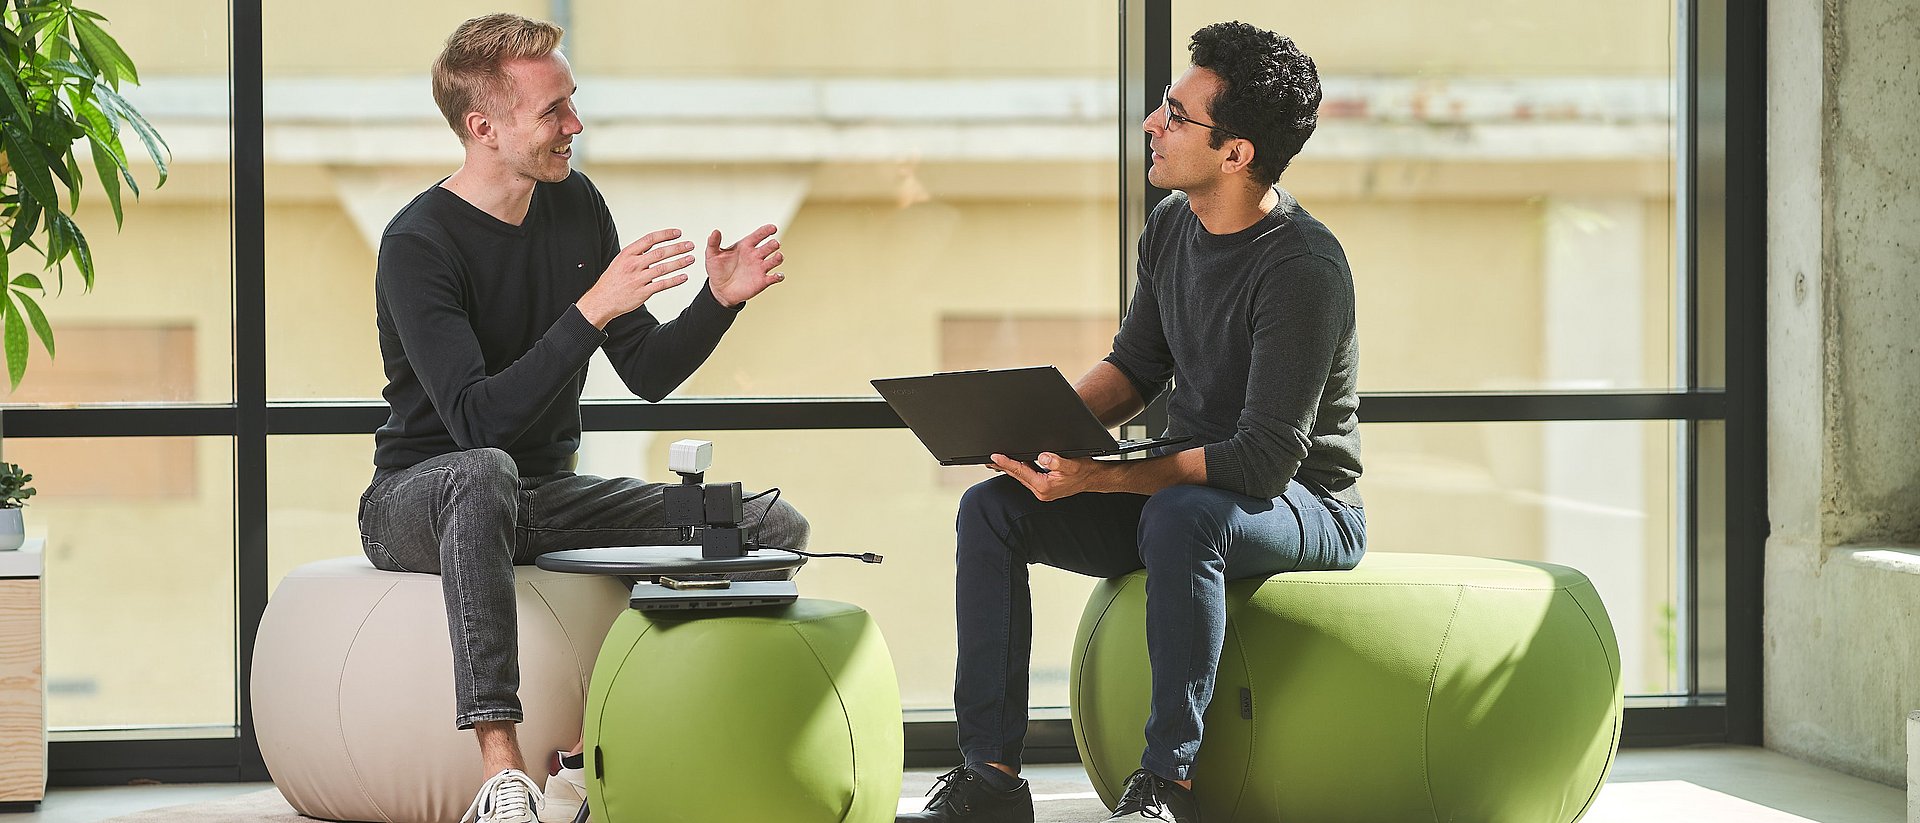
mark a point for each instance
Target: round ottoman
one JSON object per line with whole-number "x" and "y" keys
{"x": 787, "y": 713}
{"x": 353, "y": 686}
{"x": 1414, "y": 687}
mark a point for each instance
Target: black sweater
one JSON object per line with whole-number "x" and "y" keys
{"x": 1256, "y": 328}
{"x": 482, "y": 343}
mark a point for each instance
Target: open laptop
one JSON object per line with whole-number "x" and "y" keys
{"x": 966, "y": 417}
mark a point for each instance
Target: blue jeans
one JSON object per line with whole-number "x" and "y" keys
{"x": 470, "y": 517}
{"x": 1190, "y": 539}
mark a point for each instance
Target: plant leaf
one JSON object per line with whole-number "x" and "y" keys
{"x": 105, "y": 51}
{"x": 77, "y": 243}
{"x": 27, "y": 280}
{"x": 10, "y": 88}
{"x": 98, "y": 124}
{"x": 72, "y": 69}
{"x": 43, "y": 18}
{"x": 103, "y": 131}
{"x": 39, "y": 320}
{"x": 74, "y": 180}
{"x": 24, "y": 223}
{"x": 109, "y": 168}
{"x": 30, "y": 164}
{"x": 16, "y": 343}
{"x": 148, "y": 136}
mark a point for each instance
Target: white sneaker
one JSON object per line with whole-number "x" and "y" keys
{"x": 566, "y": 793}
{"x": 510, "y": 797}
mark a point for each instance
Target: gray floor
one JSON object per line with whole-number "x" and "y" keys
{"x": 1694, "y": 785}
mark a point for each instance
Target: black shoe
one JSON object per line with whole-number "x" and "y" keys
{"x": 961, "y": 795}
{"x": 1151, "y": 797}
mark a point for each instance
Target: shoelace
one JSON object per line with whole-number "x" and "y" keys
{"x": 1142, "y": 797}
{"x": 508, "y": 793}
{"x": 945, "y": 785}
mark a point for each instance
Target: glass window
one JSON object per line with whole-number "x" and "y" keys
{"x": 1502, "y": 179}
{"x": 955, "y": 169}
{"x": 139, "y": 579}
{"x": 157, "y": 325}
{"x": 1600, "y": 497}
{"x": 313, "y": 498}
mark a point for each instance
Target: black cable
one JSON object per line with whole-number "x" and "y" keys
{"x": 865, "y": 557}
{"x": 758, "y": 527}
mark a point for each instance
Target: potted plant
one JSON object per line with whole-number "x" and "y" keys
{"x": 63, "y": 85}
{"x": 14, "y": 492}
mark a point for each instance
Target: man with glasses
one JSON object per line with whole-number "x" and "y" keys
{"x": 494, "y": 287}
{"x": 1245, "y": 302}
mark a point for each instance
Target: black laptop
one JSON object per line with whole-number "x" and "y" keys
{"x": 966, "y": 417}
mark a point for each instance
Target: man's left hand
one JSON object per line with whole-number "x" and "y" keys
{"x": 1062, "y": 476}
{"x": 738, "y": 272}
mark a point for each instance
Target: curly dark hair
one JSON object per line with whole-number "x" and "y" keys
{"x": 1270, "y": 93}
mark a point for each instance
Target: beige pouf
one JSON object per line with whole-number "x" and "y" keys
{"x": 353, "y": 686}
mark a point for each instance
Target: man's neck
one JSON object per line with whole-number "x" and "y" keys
{"x": 498, "y": 192}
{"x": 1229, "y": 208}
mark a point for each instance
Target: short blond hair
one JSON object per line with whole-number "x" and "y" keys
{"x": 468, "y": 75}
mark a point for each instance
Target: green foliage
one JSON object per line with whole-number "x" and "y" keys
{"x": 14, "y": 490}
{"x": 64, "y": 85}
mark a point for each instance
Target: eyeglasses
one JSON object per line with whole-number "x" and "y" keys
{"x": 1181, "y": 118}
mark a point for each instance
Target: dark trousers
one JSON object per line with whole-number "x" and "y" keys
{"x": 470, "y": 517}
{"x": 1190, "y": 539}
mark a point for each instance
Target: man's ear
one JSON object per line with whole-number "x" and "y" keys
{"x": 479, "y": 128}
{"x": 1239, "y": 157}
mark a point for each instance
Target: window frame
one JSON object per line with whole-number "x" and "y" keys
{"x": 1722, "y": 200}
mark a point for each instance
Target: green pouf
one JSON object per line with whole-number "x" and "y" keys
{"x": 1415, "y": 687}
{"x": 789, "y": 714}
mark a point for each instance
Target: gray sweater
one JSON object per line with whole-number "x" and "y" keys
{"x": 1256, "y": 330}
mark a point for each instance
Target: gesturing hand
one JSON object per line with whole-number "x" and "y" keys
{"x": 738, "y": 272}
{"x": 643, "y": 269}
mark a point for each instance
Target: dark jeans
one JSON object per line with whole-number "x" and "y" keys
{"x": 470, "y": 517}
{"x": 1190, "y": 539}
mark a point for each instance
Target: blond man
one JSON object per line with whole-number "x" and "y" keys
{"x": 494, "y": 288}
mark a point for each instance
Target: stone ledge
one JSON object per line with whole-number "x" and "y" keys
{"x": 1896, "y": 559}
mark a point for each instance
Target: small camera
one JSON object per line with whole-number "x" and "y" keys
{"x": 707, "y": 513}
{"x": 686, "y": 457}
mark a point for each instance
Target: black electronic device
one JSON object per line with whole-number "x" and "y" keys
{"x": 706, "y": 513}
{"x": 964, "y": 418}
{"x": 734, "y": 594}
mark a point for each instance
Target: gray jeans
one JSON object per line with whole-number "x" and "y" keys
{"x": 469, "y": 517}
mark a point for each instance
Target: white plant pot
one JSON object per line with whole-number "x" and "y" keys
{"x": 13, "y": 531}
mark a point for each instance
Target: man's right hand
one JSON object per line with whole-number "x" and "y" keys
{"x": 643, "y": 269}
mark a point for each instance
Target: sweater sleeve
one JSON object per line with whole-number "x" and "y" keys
{"x": 1140, "y": 349}
{"x": 1302, "y": 312}
{"x": 420, "y": 284}
{"x": 654, "y": 358}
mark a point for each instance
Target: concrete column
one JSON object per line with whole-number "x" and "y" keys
{"x": 1913, "y": 767}
{"x": 1842, "y": 666}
